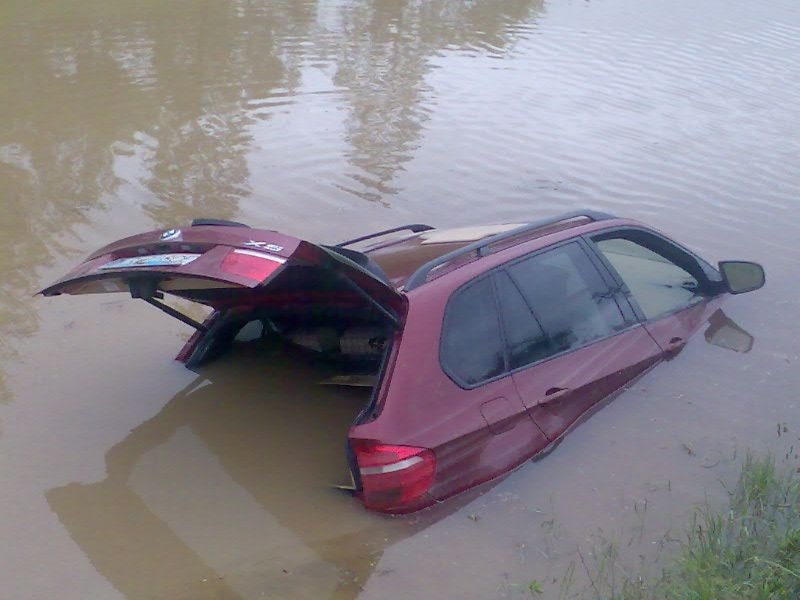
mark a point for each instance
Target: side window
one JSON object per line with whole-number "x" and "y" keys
{"x": 659, "y": 285}
{"x": 525, "y": 337}
{"x": 472, "y": 348}
{"x": 568, "y": 296}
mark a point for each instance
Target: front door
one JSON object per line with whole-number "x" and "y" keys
{"x": 667, "y": 286}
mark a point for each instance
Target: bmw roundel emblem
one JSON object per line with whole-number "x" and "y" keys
{"x": 170, "y": 234}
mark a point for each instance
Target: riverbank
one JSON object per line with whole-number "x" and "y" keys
{"x": 749, "y": 549}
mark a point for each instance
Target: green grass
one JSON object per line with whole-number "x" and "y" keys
{"x": 751, "y": 551}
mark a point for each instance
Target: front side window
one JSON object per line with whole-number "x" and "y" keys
{"x": 472, "y": 348}
{"x": 657, "y": 284}
{"x": 567, "y": 295}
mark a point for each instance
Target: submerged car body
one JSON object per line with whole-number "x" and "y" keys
{"x": 482, "y": 345}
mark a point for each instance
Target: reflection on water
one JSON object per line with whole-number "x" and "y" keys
{"x": 204, "y": 77}
{"x": 228, "y": 491}
{"x": 724, "y": 332}
{"x": 148, "y": 95}
{"x": 381, "y": 64}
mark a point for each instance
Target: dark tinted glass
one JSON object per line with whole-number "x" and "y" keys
{"x": 472, "y": 348}
{"x": 526, "y": 340}
{"x": 568, "y": 296}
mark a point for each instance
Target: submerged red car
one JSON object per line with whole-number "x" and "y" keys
{"x": 477, "y": 348}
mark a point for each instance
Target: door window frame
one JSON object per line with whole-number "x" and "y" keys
{"x": 442, "y": 364}
{"x": 708, "y": 278}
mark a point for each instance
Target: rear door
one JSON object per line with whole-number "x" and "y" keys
{"x": 219, "y": 266}
{"x": 570, "y": 344}
{"x": 494, "y": 430}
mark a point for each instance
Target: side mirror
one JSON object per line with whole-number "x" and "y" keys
{"x": 741, "y": 276}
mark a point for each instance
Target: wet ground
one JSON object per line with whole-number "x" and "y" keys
{"x": 125, "y": 475}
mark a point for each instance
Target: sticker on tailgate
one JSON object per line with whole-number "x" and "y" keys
{"x": 155, "y": 260}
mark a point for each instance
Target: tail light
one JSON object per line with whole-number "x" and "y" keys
{"x": 250, "y": 264}
{"x": 393, "y": 476}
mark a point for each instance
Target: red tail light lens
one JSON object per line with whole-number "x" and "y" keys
{"x": 393, "y": 476}
{"x": 250, "y": 264}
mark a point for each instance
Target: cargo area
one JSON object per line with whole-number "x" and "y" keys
{"x": 322, "y": 360}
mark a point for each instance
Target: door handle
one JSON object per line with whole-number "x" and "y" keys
{"x": 554, "y": 393}
{"x": 675, "y": 344}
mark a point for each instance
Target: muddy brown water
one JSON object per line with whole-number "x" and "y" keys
{"x": 125, "y": 475}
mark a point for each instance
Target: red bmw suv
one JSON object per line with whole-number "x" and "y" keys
{"x": 476, "y": 348}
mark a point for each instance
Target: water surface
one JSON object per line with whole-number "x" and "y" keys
{"x": 124, "y": 475}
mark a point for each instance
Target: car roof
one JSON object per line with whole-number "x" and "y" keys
{"x": 412, "y": 260}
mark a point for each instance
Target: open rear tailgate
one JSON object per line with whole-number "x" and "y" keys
{"x": 221, "y": 266}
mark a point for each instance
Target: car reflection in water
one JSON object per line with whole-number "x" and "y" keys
{"x": 229, "y": 490}
{"x": 723, "y": 332}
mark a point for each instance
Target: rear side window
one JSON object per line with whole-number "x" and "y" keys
{"x": 572, "y": 304}
{"x": 472, "y": 348}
